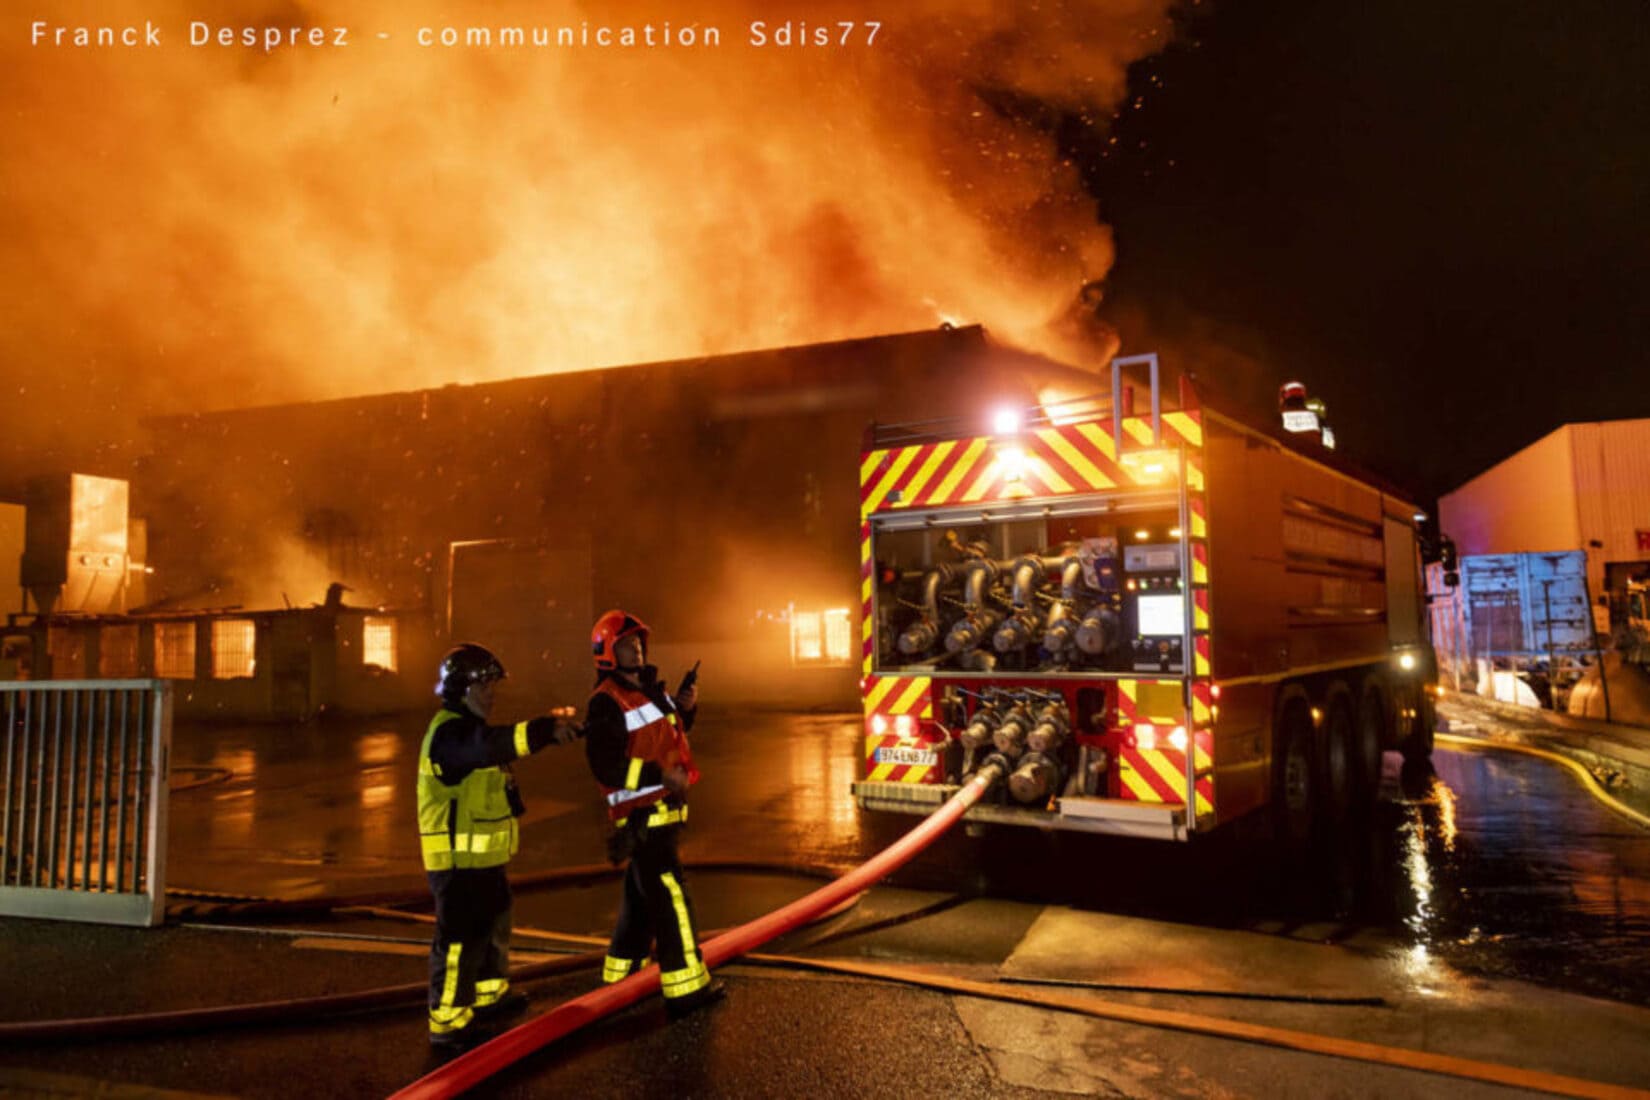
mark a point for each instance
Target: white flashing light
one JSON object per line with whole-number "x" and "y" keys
{"x": 1005, "y": 422}
{"x": 1407, "y": 662}
{"x": 1011, "y": 461}
{"x": 879, "y": 724}
{"x": 1300, "y": 420}
{"x": 905, "y": 726}
{"x": 1145, "y": 736}
{"x": 1177, "y": 739}
{"x": 1151, "y": 465}
{"x": 1174, "y": 532}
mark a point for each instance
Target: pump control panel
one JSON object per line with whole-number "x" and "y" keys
{"x": 1154, "y": 607}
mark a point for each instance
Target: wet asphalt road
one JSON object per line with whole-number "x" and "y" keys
{"x": 1496, "y": 866}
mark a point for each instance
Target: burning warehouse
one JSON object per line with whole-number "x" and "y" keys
{"x": 383, "y": 222}
{"x": 717, "y": 497}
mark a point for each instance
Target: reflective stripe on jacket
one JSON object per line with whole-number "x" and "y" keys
{"x": 653, "y": 735}
{"x": 467, "y": 824}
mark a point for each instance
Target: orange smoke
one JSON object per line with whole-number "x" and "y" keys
{"x": 207, "y": 226}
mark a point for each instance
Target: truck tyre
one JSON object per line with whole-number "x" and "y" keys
{"x": 1417, "y": 719}
{"x": 1295, "y": 781}
{"x": 1368, "y": 743}
{"x": 1339, "y": 780}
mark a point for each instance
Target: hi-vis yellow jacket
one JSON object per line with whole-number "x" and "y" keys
{"x": 469, "y": 824}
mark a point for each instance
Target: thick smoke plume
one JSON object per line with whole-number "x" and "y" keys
{"x": 191, "y": 227}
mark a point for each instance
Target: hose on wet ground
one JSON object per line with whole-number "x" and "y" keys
{"x": 303, "y": 1009}
{"x": 1306, "y": 1042}
{"x": 310, "y": 1009}
{"x": 183, "y": 902}
{"x": 1589, "y": 781}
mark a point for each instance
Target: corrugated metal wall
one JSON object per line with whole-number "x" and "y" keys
{"x": 1612, "y": 472}
{"x": 1523, "y": 503}
{"x": 1612, "y": 488}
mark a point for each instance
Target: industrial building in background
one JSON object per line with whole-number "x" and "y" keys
{"x": 1554, "y": 545}
{"x": 285, "y": 561}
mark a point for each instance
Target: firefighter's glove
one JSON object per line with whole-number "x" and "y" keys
{"x": 565, "y": 729}
{"x": 675, "y": 779}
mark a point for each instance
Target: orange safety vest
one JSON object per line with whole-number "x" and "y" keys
{"x": 654, "y": 736}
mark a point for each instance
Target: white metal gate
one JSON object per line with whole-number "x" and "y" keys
{"x": 83, "y": 809}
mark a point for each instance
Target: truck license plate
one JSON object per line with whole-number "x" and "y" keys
{"x": 922, "y": 757}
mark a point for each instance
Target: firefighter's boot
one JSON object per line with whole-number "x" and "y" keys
{"x": 677, "y": 1007}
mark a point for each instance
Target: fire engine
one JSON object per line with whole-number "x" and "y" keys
{"x": 1155, "y": 621}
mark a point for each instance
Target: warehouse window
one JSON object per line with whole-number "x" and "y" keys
{"x": 378, "y": 643}
{"x": 117, "y": 651}
{"x": 837, "y": 635}
{"x": 232, "y": 648}
{"x": 821, "y": 637}
{"x": 807, "y": 638}
{"x": 175, "y": 651}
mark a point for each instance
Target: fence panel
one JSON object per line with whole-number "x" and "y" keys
{"x": 83, "y": 811}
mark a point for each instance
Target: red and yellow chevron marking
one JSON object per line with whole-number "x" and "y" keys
{"x": 1200, "y": 516}
{"x": 1159, "y": 775}
{"x": 892, "y": 771}
{"x": 1201, "y": 663}
{"x": 1059, "y": 460}
{"x": 1194, "y": 472}
{"x": 1200, "y": 609}
{"x": 1185, "y": 427}
{"x": 892, "y": 696}
{"x": 867, "y": 588}
{"x": 1200, "y": 563}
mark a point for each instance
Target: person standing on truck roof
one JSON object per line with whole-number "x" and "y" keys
{"x": 638, "y": 749}
{"x": 467, "y": 809}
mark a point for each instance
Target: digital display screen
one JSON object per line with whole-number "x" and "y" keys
{"x": 1158, "y": 616}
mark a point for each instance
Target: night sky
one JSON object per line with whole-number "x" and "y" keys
{"x": 1435, "y": 215}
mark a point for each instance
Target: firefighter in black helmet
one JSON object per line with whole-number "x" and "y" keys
{"x": 467, "y": 810}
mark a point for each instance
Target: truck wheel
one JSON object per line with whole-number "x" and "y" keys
{"x": 1417, "y": 720}
{"x": 1295, "y": 782}
{"x": 1339, "y": 781}
{"x": 1367, "y": 744}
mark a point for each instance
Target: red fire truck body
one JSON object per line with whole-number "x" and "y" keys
{"x": 1158, "y": 623}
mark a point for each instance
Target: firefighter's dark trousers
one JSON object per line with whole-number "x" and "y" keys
{"x": 470, "y": 955}
{"x": 657, "y": 913}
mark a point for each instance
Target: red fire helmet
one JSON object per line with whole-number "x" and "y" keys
{"x": 605, "y": 635}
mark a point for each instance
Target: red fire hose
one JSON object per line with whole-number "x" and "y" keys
{"x": 471, "y": 1069}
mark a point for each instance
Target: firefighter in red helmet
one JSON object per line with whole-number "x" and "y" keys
{"x": 636, "y": 741}
{"x": 467, "y": 810}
